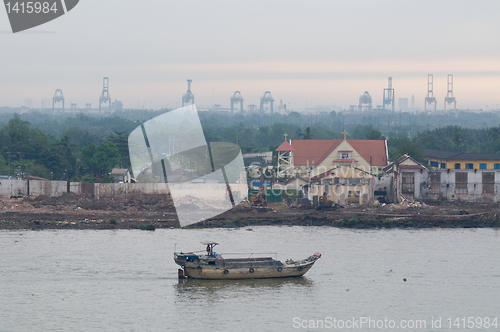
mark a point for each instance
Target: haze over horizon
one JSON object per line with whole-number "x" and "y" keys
{"x": 321, "y": 52}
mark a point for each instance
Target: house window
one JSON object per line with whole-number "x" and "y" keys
{"x": 469, "y": 166}
{"x": 353, "y": 181}
{"x": 435, "y": 180}
{"x": 461, "y": 179}
{"x": 496, "y": 166}
{"x": 488, "y": 182}
{"x": 482, "y": 166}
{"x": 434, "y": 163}
{"x": 344, "y": 155}
{"x": 457, "y": 166}
{"x": 443, "y": 165}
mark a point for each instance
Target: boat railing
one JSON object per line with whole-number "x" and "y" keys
{"x": 251, "y": 255}
{"x": 191, "y": 252}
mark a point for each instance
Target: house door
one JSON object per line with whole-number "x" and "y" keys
{"x": 407, "y": 183}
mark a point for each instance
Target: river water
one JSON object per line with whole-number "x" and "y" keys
{"x": 125, "y": 280}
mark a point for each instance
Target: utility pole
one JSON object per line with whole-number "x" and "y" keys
{"x": 9, "y": 164}
{"x": 20, "y": 167}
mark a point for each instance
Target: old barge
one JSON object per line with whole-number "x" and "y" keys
{"x": 214, "y": 266}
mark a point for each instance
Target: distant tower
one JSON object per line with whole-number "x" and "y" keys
{"x": 267, "y": 98}
{"x": 412, "y": 102}
{"x": 58, "y": 97}
{"x": 188, "y": 97}
{"x": 365, "y": 100}
{"x": 429, "y": 99}
{"x": 389, "y": 96}
{"x": 236, "y": 98}
{"x": 105, "y": 97}
{"x": 449, "y": 96}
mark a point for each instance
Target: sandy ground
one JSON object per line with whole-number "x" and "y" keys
{"x": 80, "y": 212}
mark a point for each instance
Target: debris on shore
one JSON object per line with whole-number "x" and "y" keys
{"x": 72, "y": 211}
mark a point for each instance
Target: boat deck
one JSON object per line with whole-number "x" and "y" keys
{"x": 256, "y": 259}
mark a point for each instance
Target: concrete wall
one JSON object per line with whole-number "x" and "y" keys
{"x": 50, "y": 188}
{"x": 391, "y": 183}
{"x": 12, "y": 188}
{"x": 384, "y": 183}
{"x": 21, "y": 188}
{"x": 447, "y": 187}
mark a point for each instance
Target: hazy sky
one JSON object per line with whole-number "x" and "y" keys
{"x": 314, "y": 52}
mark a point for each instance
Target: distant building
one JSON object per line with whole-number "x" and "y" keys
{"x": 116, "y": 105}
{"x": 120, "y": 175}
{"x": 343, "y": 185}
{"x": 28, "y": 103}
{"x": 403, "y": 163}
{"x": 261, "y": 158}
{"x": 309, "y": 158}
{"x": 410, "y": 181}
{"x": 403, "y": 104}
{"x": 46, "y": 103}
{"x": 402, "y": 179}
{"x": 438, "y": 159}
{"x": 294, "y": 183}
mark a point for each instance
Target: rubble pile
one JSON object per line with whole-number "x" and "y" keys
{"x": 197, "y": 204}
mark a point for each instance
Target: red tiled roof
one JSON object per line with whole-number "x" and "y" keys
{"x": 312, "y": 152}
{"x": 371, "y": 147}
{"x": 285, "y": 146}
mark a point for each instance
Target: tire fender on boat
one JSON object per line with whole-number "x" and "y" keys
{"x": 300, "y": 268}
{"x": 226, "y": 271}
{"x": 280, "y": 269}
{"x": 251, "y": 270}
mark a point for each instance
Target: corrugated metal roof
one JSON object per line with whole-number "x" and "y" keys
{"x": 448, "y": 155}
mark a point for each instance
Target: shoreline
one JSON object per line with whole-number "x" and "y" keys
{"x": 157, "y": 211}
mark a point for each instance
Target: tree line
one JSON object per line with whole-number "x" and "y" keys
{"x": 28, "y": 151}
{"x": 86, "y": 149}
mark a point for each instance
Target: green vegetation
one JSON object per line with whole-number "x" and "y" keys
{"x": 85, "y": 148}
{"x": 352, "y": 222}
{"x": 147, "y": 227}
{"x": 27, "y": 151}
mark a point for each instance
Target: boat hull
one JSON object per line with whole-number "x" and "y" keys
{"x": 246, "y": 273}
{"x": 214, "y": 266}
